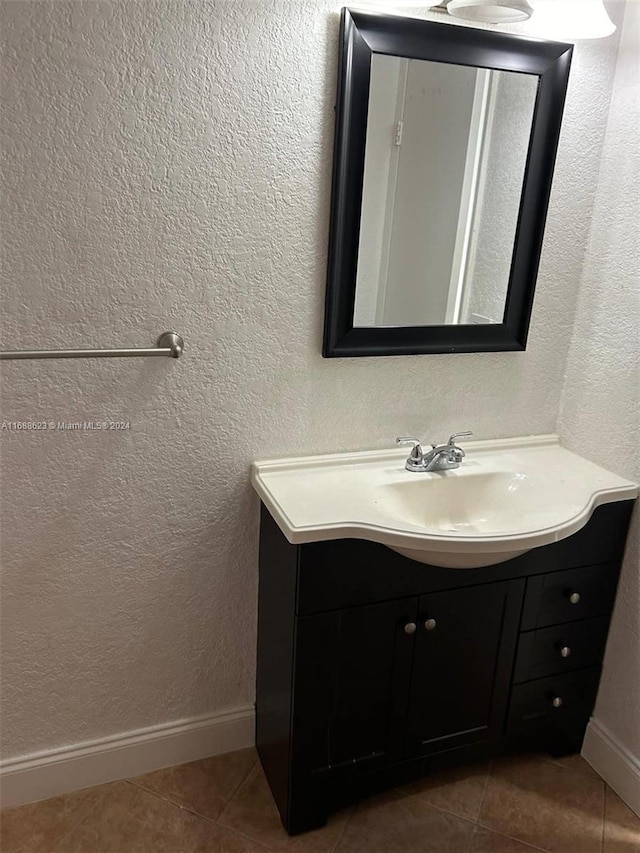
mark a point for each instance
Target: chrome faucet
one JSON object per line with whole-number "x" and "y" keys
{"x": 441, "y": 457}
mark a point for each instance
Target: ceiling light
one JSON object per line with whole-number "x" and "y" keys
{"x": 423, "y": 4}
{"x": 491, "y": 11}
{"x": 570, "y": 20}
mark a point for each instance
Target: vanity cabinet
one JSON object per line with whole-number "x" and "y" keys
{"x": 374, "y": 669}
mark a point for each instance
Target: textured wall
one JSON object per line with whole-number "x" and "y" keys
{"x": 168, "y": 165}
{"x": 600, "y": 415}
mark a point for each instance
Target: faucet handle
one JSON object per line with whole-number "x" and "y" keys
{"x": 416, "y": 453}
{"x": 402, "y": 439}
{"x": 452, "y": 438}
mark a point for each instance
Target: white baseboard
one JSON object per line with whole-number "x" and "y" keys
{"x": 618, "y": 767}
{"x": 47, "y": 774}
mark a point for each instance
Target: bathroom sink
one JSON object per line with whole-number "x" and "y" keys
{"x": 507, "y": 497}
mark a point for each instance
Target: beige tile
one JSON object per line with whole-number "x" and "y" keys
{"x": 253, "y": 813}
{"x": 545, "y": 805}
{"x": 131, "y": 819}
{"x": 203, "y": 786}
{"x": 459, "y": 790}
{"x": 573, "y": 762}
{"x": 225, "y": 841}
{"x": 39, "y": 827}
{"x": 408, "y": 825}
{"x": 222, "y": 840}
{"x": 621, "y": 826}
{"x": 486, "y": 841}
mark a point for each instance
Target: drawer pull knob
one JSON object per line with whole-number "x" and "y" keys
{"x": 565, "y": 651}
{"x": 410, "y": 628}
{"x": 430, "y": 624}
{"x": 574, "y": 598}
{"x": 557, "y": 701}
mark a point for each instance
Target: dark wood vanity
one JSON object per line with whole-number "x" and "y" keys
{"x": 374, "y": 669}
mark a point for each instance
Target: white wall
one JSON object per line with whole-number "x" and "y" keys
{"x": 600, "y": 415}
{"x": 168, "y": 165}
{"x": 431, "y": 164}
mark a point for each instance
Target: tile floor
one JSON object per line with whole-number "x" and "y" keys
{"x": 223, "y": 805}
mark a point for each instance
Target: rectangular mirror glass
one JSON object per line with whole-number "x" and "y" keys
{"x": 444, "y": 166}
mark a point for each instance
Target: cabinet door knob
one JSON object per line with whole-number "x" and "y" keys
{"x": 565, "y": 651}
{"x": 430, "y": 624}
{"x": 574, "y": 598}
{"x": 410, "y": 628}
{"x": 557, "y": 701}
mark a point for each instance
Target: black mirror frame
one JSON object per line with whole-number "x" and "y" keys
{"x": 361, "y": 35}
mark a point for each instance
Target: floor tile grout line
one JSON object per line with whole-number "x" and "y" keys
{"x": 267, "y": 846}
{"x": 482, "y": 799}
{"x": 191, "y": 810}
{"x": 158, "y": 796}
{"x": 237, "y": 792}
{"x": 473, "y": 824}
{"x": 256, "y": 763}
{"x": 590, "y": 774}
{"x": 83, "y": 819}
{"x": 344, "y": 829}
{"x": 485, "y": 788}
{"x": 512, "y": 838}
{"x": 242, "y": 835}
{"x": 473, "y": 835}
{"x": 473, "y": 821}
{"x": 171, "y": 802}
{"x": 212, "y": 822}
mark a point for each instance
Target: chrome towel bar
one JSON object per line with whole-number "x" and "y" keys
{"x": 169, "y": 344}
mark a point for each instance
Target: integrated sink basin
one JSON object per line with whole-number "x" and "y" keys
{"x": 507, "y": 497}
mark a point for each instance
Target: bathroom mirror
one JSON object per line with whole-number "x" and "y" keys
{"x": 445, "y": 144}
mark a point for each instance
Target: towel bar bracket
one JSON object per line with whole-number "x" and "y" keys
{"x": 173, "y": 341}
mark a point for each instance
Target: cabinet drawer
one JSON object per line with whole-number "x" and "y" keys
{"x": 555, "y": 700}
{"x": 561, "y": 648}
{"x": 566, "y": 596}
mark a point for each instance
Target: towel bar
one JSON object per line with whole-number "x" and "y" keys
{"x": 169, "y": 344}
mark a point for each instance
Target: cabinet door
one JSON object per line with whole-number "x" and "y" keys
{"x": 352, "y": 676}
{"x": 464, "y": 653}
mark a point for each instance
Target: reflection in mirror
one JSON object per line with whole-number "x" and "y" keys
{"x": 446, "y": 150}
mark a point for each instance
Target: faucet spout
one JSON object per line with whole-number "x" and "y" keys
{"x": 442, "y": 457}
